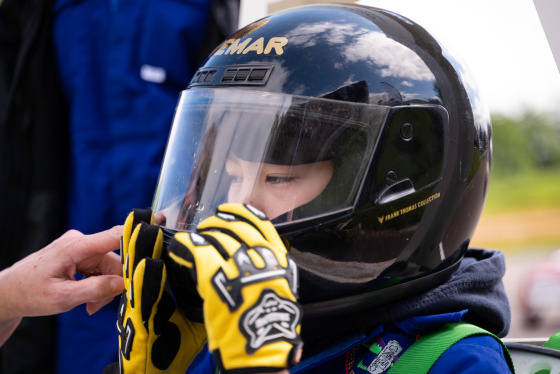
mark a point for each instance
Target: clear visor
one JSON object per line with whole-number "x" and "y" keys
{"x": 293, "y": 158}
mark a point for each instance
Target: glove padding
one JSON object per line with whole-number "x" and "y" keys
{"x": 249, "y": 286}
{"x": 155, "y": 337}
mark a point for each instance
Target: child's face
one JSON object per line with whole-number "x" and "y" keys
{"x": 276, "y": 189}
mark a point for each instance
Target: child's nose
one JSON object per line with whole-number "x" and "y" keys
{"x": 252, "y": 196}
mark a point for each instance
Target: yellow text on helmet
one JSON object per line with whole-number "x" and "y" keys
{"x": 259, "y": 46}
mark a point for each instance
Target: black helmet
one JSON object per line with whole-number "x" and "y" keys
{"x": 367, "y": 100}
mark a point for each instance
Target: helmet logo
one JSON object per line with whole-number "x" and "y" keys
{"x": 259, "y": 46}
{"x": 408, "y": 209}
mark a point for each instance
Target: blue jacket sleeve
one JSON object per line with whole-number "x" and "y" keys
{"x": 473, "y": 355}
{"x": 203, "y": 363}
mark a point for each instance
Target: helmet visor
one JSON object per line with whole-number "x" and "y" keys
{"x": 291, "y": 157}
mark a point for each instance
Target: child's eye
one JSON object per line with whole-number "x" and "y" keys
{"x": 279, "y": 180}
{"x": 234, "y": 178}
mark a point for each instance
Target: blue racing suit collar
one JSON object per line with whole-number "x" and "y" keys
{"x": 412, "y": 327}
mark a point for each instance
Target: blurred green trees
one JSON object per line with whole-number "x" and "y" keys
{"x": 526, "y": 168}
{"x": 531, "y": 141}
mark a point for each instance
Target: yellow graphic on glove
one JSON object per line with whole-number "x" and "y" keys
{"x": 155, "y": 337}
{"x": 249, "y": 286}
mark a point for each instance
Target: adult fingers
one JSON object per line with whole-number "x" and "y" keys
{"x": 95, "y": 289}
{"x": 97, "y": 244}
{"x": 110, "y": 264}
{"x": 93, "y": 307}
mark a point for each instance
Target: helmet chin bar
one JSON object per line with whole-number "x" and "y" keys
{"x": 378, "y": 297}
{"x": 353, "y": 303}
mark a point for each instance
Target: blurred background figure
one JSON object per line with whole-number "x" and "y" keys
{"x": 539, "y": 296}
{"x": 87, "y": 93}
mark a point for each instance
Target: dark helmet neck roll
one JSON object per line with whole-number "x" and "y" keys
{"x": 372, "y": 93}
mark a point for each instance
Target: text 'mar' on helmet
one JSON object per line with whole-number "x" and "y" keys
{"x": 370, "y": 90}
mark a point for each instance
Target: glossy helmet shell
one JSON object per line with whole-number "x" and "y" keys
{"x": 426, "y": 183}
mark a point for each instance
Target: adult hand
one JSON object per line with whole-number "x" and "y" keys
{"x": 44, "y": 282}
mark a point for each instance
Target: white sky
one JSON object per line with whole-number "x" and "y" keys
{"x": 502, "y": 42}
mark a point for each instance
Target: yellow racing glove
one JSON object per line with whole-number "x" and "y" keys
{"x": 248, "y": 284}
{"x": 155, "y": 337}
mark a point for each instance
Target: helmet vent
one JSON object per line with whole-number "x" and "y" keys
{"x": 243, "y": 75}
{"x": 229, "y": 75}
{"x": 203, "y": 76}
{"x": 258, "y": 74}
{"x": 210, "y": 76}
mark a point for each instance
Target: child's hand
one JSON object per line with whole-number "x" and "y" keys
{"x": 155, "y": 337}
{"x": 249, "y": 286}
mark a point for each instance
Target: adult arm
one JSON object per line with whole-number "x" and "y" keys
{"x": 44, "y": 282}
